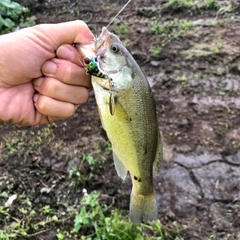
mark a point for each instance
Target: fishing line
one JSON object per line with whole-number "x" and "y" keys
{"x": 119, "y": 13}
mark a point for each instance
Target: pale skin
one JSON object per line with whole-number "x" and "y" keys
{"x": 41, "y": 75}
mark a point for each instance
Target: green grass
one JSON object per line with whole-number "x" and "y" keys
{"x": 182, "y": 79}
{"x": 178, "y": 29}
{"x": 94, "y": 221}
{"x": 204, "y": 49}
{"x": 169, "y": 31}
{"x": 87, "y": 163}
{"x": 25, "y": 222}
{"x": 92, "y": 163}
{"x": 12, "y": 15}
{"x": 155, "y": 50}
{"x": 16, "y": 142}
{"x": 189, "y": 5}
{"x": 225, "y": 9}
{"x": 120, "y": 27}
{"x": 98, "y": 222}
{"x": 173, "y": 28}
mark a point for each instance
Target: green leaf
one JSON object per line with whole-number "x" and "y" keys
{"x": 55, "y": 218}
{"x": 85, "y": 221}
{"x": 9, "y": 4}
{"x": 7, "y": 22}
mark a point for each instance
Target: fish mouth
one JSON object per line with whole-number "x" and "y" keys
{"x": 101, "y": 45}
{"x": 87, "y": 51}
{"x": 91, "y": 49}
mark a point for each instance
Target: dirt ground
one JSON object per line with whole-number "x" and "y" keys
{"x": 195, "y": 81}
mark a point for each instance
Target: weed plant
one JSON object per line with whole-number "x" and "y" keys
{"x": 12, "y": 15}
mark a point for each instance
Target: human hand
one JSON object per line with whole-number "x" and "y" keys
{"x": 41, "y": 75}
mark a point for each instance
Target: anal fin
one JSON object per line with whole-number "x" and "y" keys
{"x": 121, "y": 169}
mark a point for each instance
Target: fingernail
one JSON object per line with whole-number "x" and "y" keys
{"x": 37, "y": 82}
{"x": 65, "y": 53}
{"x": 49, "y": 67}
{"x": 35, "y": 97}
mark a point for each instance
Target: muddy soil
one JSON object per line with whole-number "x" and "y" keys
{"x": 195, "y": 81}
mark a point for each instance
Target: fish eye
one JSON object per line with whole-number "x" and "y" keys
{"x": 86, "y": 60}
{"x": 115, "y": 48}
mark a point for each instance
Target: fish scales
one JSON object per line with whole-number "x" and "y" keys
{"x": 132, "y": 127}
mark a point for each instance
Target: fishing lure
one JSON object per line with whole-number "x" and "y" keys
{"x": 91, "y": 67}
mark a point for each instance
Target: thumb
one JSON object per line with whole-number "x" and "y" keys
{"x": 54, "y": 35}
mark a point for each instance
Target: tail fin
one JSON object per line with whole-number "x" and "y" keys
{"x": 143, "y": 208}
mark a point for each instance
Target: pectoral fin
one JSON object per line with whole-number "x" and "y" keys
{"x": 121, "y": 169}
{"x": 112, "y": 103}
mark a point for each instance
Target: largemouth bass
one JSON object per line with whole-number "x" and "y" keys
{"x": 128, "y": 115}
